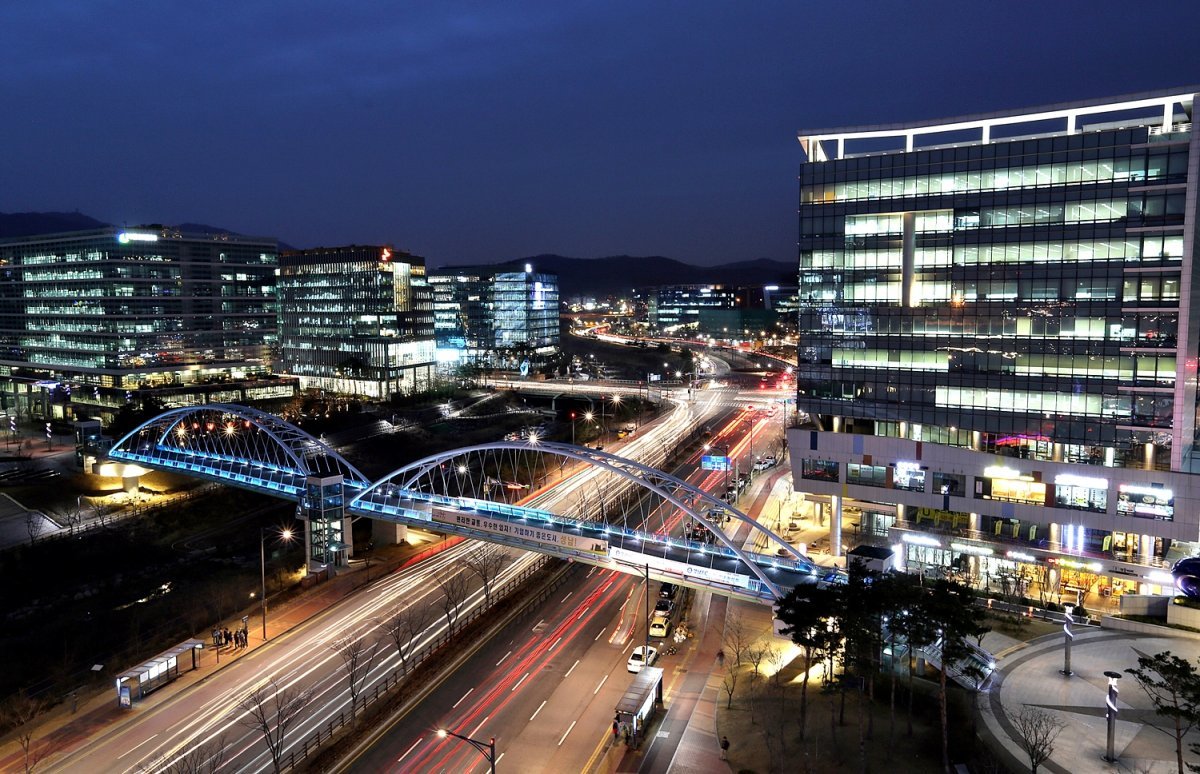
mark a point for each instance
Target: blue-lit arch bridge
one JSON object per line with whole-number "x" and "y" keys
{"x": 557, "y": 499}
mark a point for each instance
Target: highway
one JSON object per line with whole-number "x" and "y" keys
{"x": 546, "y": 687}
{"x": 305, "y": 659}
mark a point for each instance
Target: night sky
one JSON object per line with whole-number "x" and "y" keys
{"x": 477, "y": 132}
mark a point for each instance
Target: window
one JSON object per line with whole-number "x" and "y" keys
{"x": 867, "y": 475}
{"x": 949, "y": 484}
{"x": 908, "y": 476}
{"x": 819, "y": 470}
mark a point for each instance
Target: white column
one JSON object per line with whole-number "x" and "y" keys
{"x": 1148, "y": 456}
{"x": 976, "y": 440}
{"x": 388, "y": 533}
{"x": 1168, "y": 116}
{"x": 1147, "y": 550}
{"x": 835, "y": 526}
{"x": 1055, "y": 532}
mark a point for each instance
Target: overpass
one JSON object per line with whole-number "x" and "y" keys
{"x": 609, "y": 511}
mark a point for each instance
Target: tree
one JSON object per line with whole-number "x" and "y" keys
{"x": 1037, "y": 729}
{"x": 807, "y": 612}
{"x": 18, "y": 714}
{"x": 736, "y": 637}
{"x": 404, "y": 626}
{"x": 487, "y": 560}
{"x": 755, "y": 655}
{"x": 357, "y": 658}
{"x": 729, "y": 683}
{"x": 272, "y": 711}
{"x": 1173, "y": 686}
{"x": 951, "y": 608}
{"x": 35, "y": 525}
{"x": 454, "y": 588}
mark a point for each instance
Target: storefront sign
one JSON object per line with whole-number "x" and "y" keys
{"x": 1145, "y": 502}
{"x": 966, "y": 548}
{"x": 1074, "y": 565}
{"x": 1069, "y": 479}
{"x": 999, "y": 471}
{"x": 1018, "y": 556}
{"x": 921, "y": 540}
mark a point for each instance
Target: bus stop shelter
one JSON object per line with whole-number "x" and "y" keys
{"x": 636, "y": 708}
{"x": 134, "y": 684}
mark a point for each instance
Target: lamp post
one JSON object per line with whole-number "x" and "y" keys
{"x": 1067, "y": 637}
{"x": 1110, "y": 714}
{"x": 486, "y": 749}
{"x": 286, "y": 536}
{"x": 572, "y": 428}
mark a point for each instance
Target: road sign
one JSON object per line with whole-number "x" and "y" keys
{"x": 714, "y": 462}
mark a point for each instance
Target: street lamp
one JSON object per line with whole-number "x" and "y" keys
{"x": 1067, "y": 637}
{"x": 486, "y": 749}
{"x": 286, "y": 536}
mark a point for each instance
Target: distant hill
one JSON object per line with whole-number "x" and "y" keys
{"x": 19, "y": 224}
{"x": 620, "y": 273}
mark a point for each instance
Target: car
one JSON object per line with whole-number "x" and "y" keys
{"x": 667, "y": 591}
{"x": 660, "y": 626}
{"x": 664, "y": 606}
{"x": 636, "y": 662}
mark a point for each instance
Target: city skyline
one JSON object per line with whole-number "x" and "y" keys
{"x": 475, "y": 135}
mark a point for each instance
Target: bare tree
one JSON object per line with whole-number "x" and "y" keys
{"x": 272, "y": 711}
{"x": 454, "y": 588}
{"x": 1036, "y": 731}
{"x": 18, "y": 714}
{"x": 404, "y": 625}
{"x": 204, "y": 758}
{"x": 736, "y": 637}
{"x": 729, "y": 684}
{"x": 755, "y": 656}
{"x": 35, "y": 525}
{"x": 357, "y": 658}
{"x": 73, "y": 515}
{"x": 487, "y": 560}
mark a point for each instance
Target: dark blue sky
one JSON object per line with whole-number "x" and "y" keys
{"x": 473, "y": 132}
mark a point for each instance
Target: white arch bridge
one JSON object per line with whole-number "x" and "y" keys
{"x": 566, "y": 501}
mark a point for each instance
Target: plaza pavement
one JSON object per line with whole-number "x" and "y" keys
{"x": 1028, "y": 673}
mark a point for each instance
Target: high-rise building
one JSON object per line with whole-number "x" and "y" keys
{"x": 356, "y": 320}
{"x": 999, "y": 336}
{"x": 93, "y": 316}
{"x": 482, "y": 315}
{"x": 676, "y": 309}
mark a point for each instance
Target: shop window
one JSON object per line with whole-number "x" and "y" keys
{"x": 949, "y": 484}
{"x": 1081, "y": 498}
{"x": 908, "y": 476}
{"x": 866, "y": 475}
{"x": 819, "y": 470}
{"x": 1146, "y": 502}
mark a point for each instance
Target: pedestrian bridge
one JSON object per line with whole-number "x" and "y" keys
{"x": 558, "y": 499}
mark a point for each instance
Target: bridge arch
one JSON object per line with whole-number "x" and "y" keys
{"x": 222, "y": 441}
{"x": 688, "y": 498}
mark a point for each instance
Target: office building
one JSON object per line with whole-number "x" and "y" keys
{"x": 483, "y": 315}
{"x": 94, "y": 318}
{"x": 676, "y": 309}
{"x": 356, "y": 320}
{"x": 999, "y": 338}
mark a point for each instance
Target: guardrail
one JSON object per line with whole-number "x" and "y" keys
{"x": 1033, "y": 611}
{"x": 398, "y": 678}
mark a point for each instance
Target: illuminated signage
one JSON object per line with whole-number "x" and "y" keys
{"x": 125, "y": 237}
{"x": 1074, "y": 565}
{"x": 999, "y": 471}
{"x": 386, "y": 255}
{"x": 966, "y": 548}
{"x": 1021, "y": 557}
{"x": 1161, "y": 578}
{"x": 1069, "y": 479}
{"x": 1145, "y": 502}
{"x": 921, "y": 540}
{"x": 907, "y": 467}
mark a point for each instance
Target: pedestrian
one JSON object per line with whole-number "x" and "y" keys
{"x": 616, "y": 730}
{"x": 721, "y": 657}
{"x": 724, "y": 748}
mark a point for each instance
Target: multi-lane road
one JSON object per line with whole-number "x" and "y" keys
{"x": 545, "y": 677}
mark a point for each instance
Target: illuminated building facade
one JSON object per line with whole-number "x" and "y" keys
{"x": 676, "y": 309}
{"x": 998, "y": 340}
{"x": 482, "y": 315}
{"x": 89, "y": 317}
{"x": 356, "y": 320}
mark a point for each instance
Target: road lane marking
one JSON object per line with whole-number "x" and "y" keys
{"x": 476, "y": 731}
{"x": 601, "y": 685}
{"x": 464, "y": 696}
{"x": 539, "y": 709}
{"x": 131, "y": 749}
{"x": 572, "y": 669}
{"x": 506, "y": 655}
{"x": 518, "y": 685}
{"x": 568, "y": 596}
{"x": 564, "y": 736}
{"x": 406, "y": 752}
{"x": 499, "y": 757}
{"x": 555, "y": 643}
{"x": 602, "y": 631}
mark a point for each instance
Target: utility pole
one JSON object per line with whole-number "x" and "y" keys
{"x": 646, "y": 652}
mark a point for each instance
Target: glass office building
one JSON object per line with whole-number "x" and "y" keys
{"x": 1008, "y": 297}
{"x": 108, "y": 311}
{"x": 486, "y": 316}
{"x": 676, "y": 309}
{"x": 356, "y": 320}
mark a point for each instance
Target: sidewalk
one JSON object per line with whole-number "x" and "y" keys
{"x": 67, "y": 729}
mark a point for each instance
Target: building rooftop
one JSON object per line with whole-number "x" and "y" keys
{"x": 1157, "y": 109}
